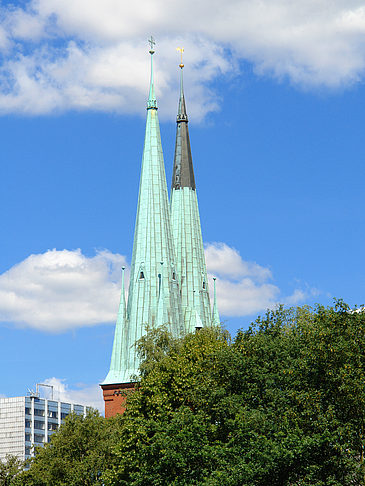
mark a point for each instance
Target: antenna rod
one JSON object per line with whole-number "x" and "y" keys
{"x": 43, "y": 384}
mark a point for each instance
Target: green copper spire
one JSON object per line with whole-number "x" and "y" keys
{"x": 216, "y": 321}
{"x": 185, "y": 219}
{"x": 154, "y": 296}
{"x": 116, "y": 364}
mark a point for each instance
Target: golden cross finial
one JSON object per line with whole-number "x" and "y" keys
{"x": 181, "y": 50}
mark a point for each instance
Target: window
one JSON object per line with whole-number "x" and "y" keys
{"x": 27, "y": 451}
{"x": 27, "y": 411}
{"x": 204, "y": 285}
{"x": 173, "y": 276}
{"x": 52, "y": 426}
{"x": 38, "y": 425}
{"x": 39, "y": 438}
{"x": 27, "y": 423}
{"x": 38, "y": 412}
{"x": 52, "y": 414}
{"x": 27, "y": 436}
{"x": 141, "y": 275}
{"x": 64, "y": 415}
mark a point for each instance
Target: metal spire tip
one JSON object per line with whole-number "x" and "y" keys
{"x": 181, "y": 50}
{"x": 152, "y": 43}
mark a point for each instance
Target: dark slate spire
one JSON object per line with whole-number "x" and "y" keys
{"x": 186, "y": 230}
{"x": 183, "y": 172}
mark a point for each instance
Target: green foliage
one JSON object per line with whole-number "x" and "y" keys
{"x": 283, "y": 404}
{"x": 76, "y": 455}
{"x": 9, "y": 470}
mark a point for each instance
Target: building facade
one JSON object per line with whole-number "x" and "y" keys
{"x": 28, "y": 422}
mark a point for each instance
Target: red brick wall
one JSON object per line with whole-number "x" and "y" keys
{"x": 115, "y": 397}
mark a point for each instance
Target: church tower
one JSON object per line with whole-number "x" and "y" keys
{"x": 186, "y": 229}
{"x": 154, "y": 295}
{"x": 168, "y": 281}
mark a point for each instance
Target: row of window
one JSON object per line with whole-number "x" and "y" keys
{"x": 40, "y": 425}
{"x": 38, "y": 412}
{"x": 39, "y": 437}
{"x": 51, "y": 414}
{"x": 141, "y": 277}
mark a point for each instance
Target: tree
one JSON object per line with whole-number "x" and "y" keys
{"x": 76, "y": 455}
{"x": 281, "y": 405}
{"x": 164, "y": 432}
{"x": 9, "y": 470}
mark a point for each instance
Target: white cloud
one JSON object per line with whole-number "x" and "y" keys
{"x": 245, "y": 297}
{"x": 90, "y": 395}
{"x": 298, "y": 295}
{"x": 245, "y": 288}
{"x": 87, "y": 54}
{"x": 25, "y": 25}
{"x": 60, "y": 290}
{"x": 4, "y": 40}
{"x": 108, "y": 78}
{"x": 227, "y": 262}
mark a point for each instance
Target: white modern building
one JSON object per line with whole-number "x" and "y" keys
{"x": 27, "y": 422}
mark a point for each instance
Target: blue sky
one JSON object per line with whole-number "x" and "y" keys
{"x": 275, "y": 96}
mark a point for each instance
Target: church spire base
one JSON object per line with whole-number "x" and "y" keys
{"x": 115, "y": 398}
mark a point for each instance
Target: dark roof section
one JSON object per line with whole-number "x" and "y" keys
{"x": 183, "y": 172}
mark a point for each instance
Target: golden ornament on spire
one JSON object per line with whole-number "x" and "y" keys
{"x": 181, "y": 50}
